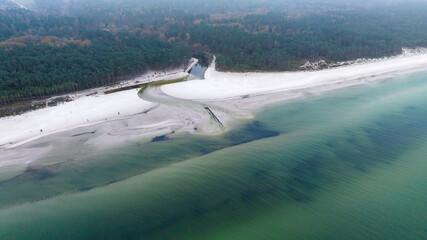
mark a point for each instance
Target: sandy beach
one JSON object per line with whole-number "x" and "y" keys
{"x": 80, "y": 112}
{"x": 225, "y": 85}
{"x": 229, "y": 96}
{"x": 88, "y": 108}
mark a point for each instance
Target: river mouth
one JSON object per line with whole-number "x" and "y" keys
{"x": 152, "y": 92}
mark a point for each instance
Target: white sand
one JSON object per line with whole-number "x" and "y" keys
{"x": 83, "y": 111}
{"x": 217, "y": 86}
{"x": 226, "y": 85}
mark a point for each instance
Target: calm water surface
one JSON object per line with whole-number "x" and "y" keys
{"x": 349, "y": 164}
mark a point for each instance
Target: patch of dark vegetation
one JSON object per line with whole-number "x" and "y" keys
{"x": 248, "y": 195}
{"x": 26, "y": 106}
{"x": 91, "y": 94}
{"x": 157, "y": 84}
{"x": 197, "y": 211}
{"x": 165, "y": 82}
{"x": 384, "y": 140}
{"x": 262, "y": 174}
{"x": 304, "y": 177}
{"x": 38, "y": 173}
{"x": 21, "y": 107}
{"x": 198, "y": 208}
{"x": 160, "y": 138}
{"x": 85, "y": 189}
{"x": 250, "y": 132}
{"x": 209, "y": 149}
{"x": 58, "y": 100}
{"x": 263, "y": 184}
{"x": 123, "y": 88}
{"x": 397, "y": 132}
{"x": 32, "y": 173}
{"x": 303, "y": 172}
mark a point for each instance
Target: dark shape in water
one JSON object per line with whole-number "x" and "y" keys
{"x": 250, "y": 132}
{"x": 33, "y": 173}
{"x": 85, "y": 189}
{"x": 160, "y": 138}
{"x": 39, "y": 174}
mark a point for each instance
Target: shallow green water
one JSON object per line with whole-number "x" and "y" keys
{"x": 349, "y": 164}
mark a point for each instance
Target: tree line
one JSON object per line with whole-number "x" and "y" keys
{"x": 36, "y": 71}
{"x": 277, "y": 42}
{"x": 119, "y": 41}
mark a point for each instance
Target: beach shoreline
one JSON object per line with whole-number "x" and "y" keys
{"x": 222, "y": 86}
{"x": 86, "y": 108}
{"x": 230, "y": 96}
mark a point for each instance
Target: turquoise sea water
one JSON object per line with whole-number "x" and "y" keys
{"x": 349, "y": 164}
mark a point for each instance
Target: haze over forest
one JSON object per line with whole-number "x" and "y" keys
{"x": 50, "y": 47}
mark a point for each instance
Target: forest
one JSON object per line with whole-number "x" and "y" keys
{"x": 35, "y": 67}
{"x": 273, "y": 42}
{"x": 65, "y": 46}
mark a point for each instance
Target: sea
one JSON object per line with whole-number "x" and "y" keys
{"x": 346, "y": 164}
